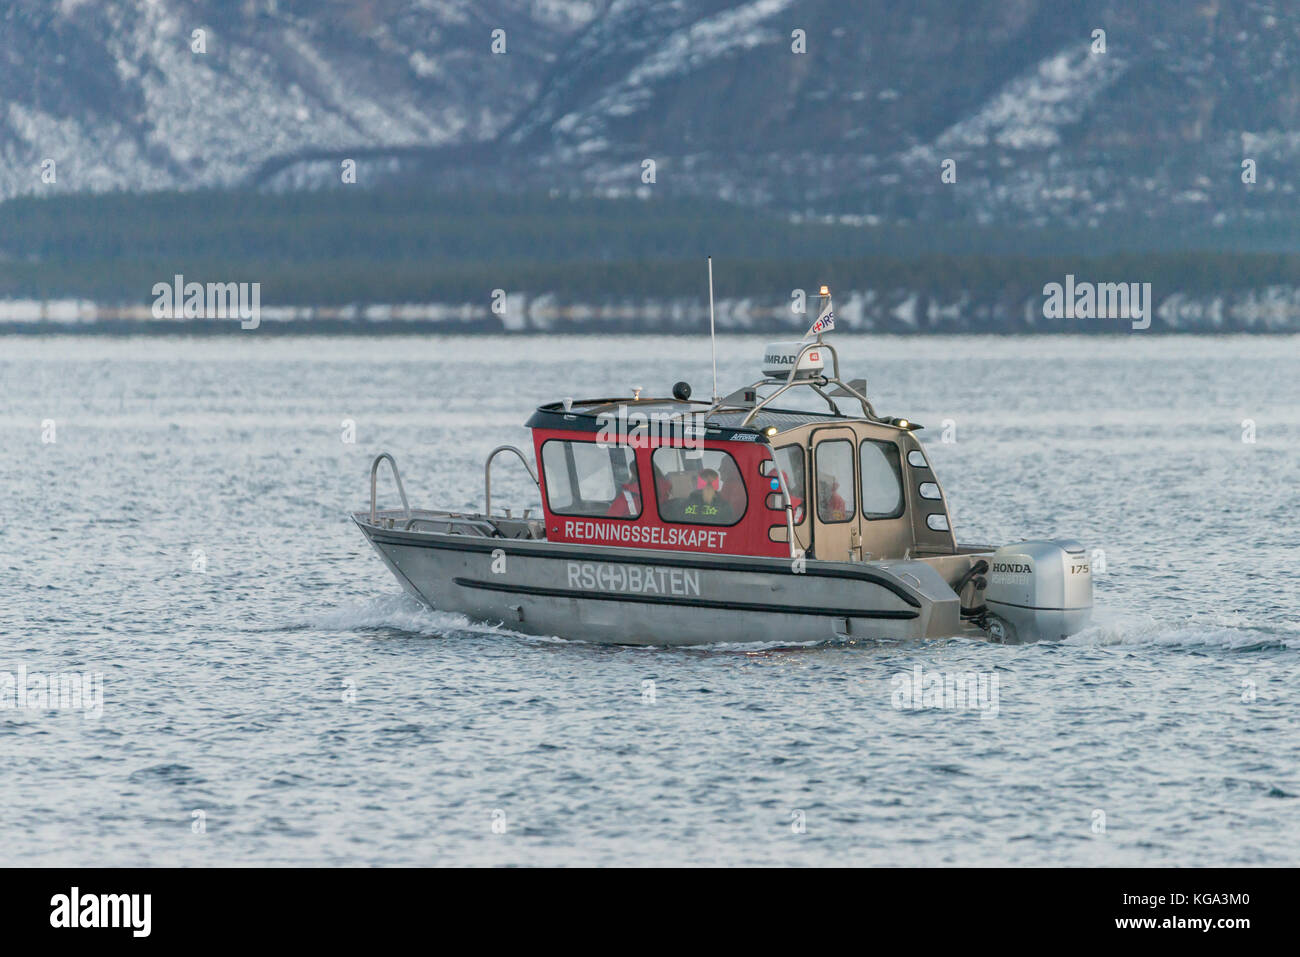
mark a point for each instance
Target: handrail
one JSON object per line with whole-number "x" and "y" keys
{"x": 487, "y": 475}
{"x": 793, "y": 380}
{"x": 374, "y": 478}
{"x": 486, "y": 528}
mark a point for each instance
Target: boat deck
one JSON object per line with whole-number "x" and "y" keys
{"x": 474, "y": 525}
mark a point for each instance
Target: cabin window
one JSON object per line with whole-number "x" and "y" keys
{"x": 882, "y": 480}
{"x": 834, "y": 463}
{"x": 583, "y": 478}
{"x": 698, "y": 487}
{"x": 790, "y": 459}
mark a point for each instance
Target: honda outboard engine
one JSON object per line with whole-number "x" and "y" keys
{"x": 1038, "y": 590}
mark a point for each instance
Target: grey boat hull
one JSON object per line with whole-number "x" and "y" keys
{"x": 640, "y": 597}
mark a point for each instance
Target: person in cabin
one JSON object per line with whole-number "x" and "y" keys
{"x": 705, "y": 506}
{"x": 627, "y": 503}
{"x": 832, "y": 506}
{"x": 675, "y": 489}
{"x": 663, "y": 487}
{"x": 733, "y": 487}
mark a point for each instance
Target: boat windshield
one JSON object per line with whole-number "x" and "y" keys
{"x": 699, "y": 487}
{"x": 584, "y": 478}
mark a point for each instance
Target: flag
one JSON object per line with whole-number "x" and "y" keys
{"x": 825, "y": 321}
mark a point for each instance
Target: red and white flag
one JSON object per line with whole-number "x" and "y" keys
{"x": 825, "y": 321}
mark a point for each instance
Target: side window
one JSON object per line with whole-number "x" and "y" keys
{"x": 582, "y": 478}
{"x": 699, "y": 487}
{"x": 790, "y": 459}
{"x": 882, "y": 480}
{"x": 835, "y": 494}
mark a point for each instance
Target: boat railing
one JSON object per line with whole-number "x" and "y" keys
{"x": 374, "y": 478}
{"x": 487, "y": 475}
{"x": 794, "y": 379}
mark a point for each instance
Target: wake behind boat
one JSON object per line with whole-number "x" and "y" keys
{"x": 672, "y": 521}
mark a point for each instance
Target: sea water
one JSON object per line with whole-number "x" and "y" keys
{"x": 174, "y": 531}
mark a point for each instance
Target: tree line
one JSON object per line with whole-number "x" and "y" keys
{"x": 344, "y": 246}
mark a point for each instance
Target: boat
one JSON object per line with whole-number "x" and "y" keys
{"x": 737, "y": 519}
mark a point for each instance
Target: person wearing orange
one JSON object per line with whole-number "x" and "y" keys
{"x": 627, "y": 504}
{"x": 830, "y": 503}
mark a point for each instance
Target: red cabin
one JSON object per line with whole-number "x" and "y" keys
{"x": 651, "y": 474}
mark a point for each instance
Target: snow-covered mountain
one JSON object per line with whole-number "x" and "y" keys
{"x": 1042, "y": 111}
{"x": 126, "y": 94}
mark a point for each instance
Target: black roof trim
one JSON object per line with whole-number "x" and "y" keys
{"x": 553, "y": 416}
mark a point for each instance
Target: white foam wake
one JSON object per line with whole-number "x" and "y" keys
{"x": 401, "y": 612}
{"x": 1224, "y": 632}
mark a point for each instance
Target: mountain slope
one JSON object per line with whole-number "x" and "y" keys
{"x": 1043, "y": 127}
{"x": 114, "y": 92}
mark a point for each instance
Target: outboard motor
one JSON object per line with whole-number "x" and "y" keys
{"x": 1038, "y": 590}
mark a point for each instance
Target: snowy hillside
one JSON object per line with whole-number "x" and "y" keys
{"x": 1046, "y": 112}
{"x": 124, "y": 94}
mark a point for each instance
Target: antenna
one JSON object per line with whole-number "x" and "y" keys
{"x": 713, "y": 340}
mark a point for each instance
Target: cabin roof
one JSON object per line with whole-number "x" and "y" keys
{"x": 783, "y": 419}
{"x": 588, "y": 415}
